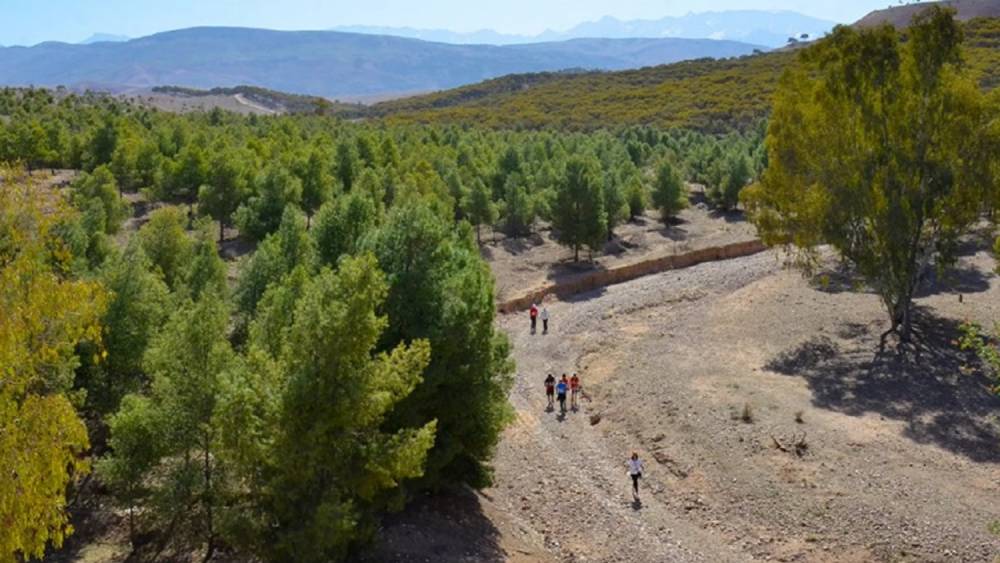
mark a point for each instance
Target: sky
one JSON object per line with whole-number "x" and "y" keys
{"x": 27, "y": 22}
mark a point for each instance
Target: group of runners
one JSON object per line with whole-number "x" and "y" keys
{"x": 535, "y": 313}
{"x": 556, "y": 390}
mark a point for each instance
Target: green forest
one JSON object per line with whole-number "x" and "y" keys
{"x": 354, "y": 348}
{"x": 279, "y": 403}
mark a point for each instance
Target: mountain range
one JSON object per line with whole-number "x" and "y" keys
{"x": 326, "y": 63}
{"x": 769, "y": 28}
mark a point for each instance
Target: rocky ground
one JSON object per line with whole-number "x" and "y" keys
{"x": 771, "y": 427}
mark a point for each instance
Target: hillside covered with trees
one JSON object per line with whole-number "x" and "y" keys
{"x": 714, "y": 95}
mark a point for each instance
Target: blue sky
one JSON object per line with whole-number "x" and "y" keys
{"x": 26, "y": 22}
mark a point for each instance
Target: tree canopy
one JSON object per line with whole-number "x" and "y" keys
{"x": 883, "y": 149}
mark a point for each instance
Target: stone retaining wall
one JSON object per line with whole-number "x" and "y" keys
{"x": 621, "y": 274}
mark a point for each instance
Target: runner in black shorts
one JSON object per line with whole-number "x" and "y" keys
{"x": 561, "y": 389}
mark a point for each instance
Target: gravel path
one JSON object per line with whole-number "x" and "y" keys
{"x": 566, "y": 476}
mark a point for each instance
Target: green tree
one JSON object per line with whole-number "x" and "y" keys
{"x": 637, "y": 196}
{"x": 277, "y": 188}
{"x": 166, "y": 243}
{"x": 517, "y": 209}
{"x": 669, "y": 192}
{"x": 225, "y": 190}
{"x": 100, "y": 186}
{"x": 346, "y": 167}
{"x": 615, "y": 204}
{"x": 442, "y": 291}
{"x": 508, "y": 165}
{"x": 578, "y": 215}
{"x": 136, "y": 310}
{"x": 881, "y": 149}
{"x": 341, "y": 226}
{"x": 735, "y": 176}
{"x": 206, "y": 272}
{"x": 317, "y": 183}
{"x": 187, "y": 173}
{"x": 333, "y": 464}
{"x": 481, "y": 210}
{"x": 124, "y": 162}
{"x": 187, "y": 497}
{"x": 279, "y": 254}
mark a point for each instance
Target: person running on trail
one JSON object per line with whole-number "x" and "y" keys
{"x": 533, "y": 313}
{"x": 545, "y": 320}
{"x": 635, "y": 471}
{"x": 574, "y": 390}
{"x": 561, "y": 393}
{"x": 550, "y": 388}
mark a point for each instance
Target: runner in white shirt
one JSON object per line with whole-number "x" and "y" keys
{"x": 635, "y": 471}
{"x": 545, "y": 320}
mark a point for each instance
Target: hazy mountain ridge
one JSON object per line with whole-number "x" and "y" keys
{"x": 104, "y": 37}
{"x": 325, "y": 63}
{"x": 770, "y": 28}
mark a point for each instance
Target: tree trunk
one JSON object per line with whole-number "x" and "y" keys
{"x": 222, "y": 231}
{"x": 479, "y": 238}
{"x": 576, "y": 252}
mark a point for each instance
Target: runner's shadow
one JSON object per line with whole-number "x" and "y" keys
{"x": 636, "y": 504}
{"x": 561, "y": 417}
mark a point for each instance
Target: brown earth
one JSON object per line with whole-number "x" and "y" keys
{"x": 175, "y": 103}
{"x": 898, "y": 457}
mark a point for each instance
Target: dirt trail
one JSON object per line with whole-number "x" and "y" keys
{"x": 567, "y": 476}
{"x": 254, "y": 105}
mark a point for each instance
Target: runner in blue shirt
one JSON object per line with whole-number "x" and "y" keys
{"x": 561, "y": 389}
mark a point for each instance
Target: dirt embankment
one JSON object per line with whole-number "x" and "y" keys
{"x": 528, "y": 264}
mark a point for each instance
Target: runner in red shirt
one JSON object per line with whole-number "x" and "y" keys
{"x": 534, "y": 317}
{"x": 574, "y": 390}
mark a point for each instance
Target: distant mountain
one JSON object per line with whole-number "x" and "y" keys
{"x": 325, "y": 63}
{"x": 900, "y": 16}
{"x": 751, "y": 26}
{"x": 104, "y": 37}
{"x": 480, "y": 37}
{"x": 770, "y": 28}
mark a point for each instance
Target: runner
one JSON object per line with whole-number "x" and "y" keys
{"x": 545, "y": 320}
{"x": 561, "y": 393}
{"x": 533, "y": 312}
{"x": 574, "y": 390}
{"x": 635, "y": 471}
{"x": 550, "y": 388}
